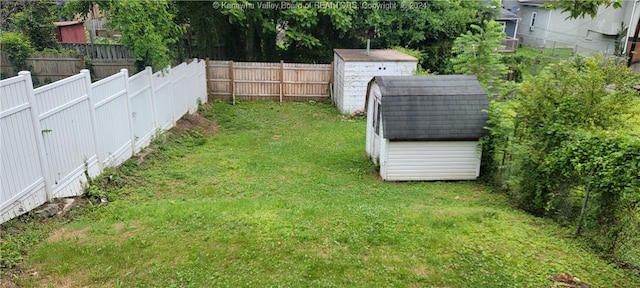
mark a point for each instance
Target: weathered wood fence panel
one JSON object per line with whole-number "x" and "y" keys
{"x": 268, "y": 81}
{"x": 54, "y": 136}
{"x": 105, "y": 68}
{"x": 6, "y": 69}
{"x": 53, "y": 67}
{"x": 101, "y": 51}
{"x": 47, "y": 68}
{"x": 106, "y": 59}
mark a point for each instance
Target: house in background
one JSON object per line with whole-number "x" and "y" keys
{"x": 426, "y": 128}
{"x": 355, "y": 67}
{"x": 510, "y": 21}
{"x": 543, "y": 27}
{"x": 70, "y": 32}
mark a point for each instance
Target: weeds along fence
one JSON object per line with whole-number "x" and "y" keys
{"x": 284, "y": 82}
{"x": 54, "y": 136}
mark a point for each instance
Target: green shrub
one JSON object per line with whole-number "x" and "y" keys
{"x": 569, "y": 134}
{"x": 17, "y": 47}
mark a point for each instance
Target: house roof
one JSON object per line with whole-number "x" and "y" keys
{"x": 507, "y": 15}
{"x": 434, "y": 107}
{"x": 534, "y": 3}
{"x": 361, "y": 55}
{"x": 67, "y": 23}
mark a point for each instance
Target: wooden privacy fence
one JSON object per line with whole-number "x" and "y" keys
{"x": 101, "y": 51}
{"x": 54, "y": 136}
{"x": 268, "y": 81}
{"x": 47, "y": 68}
{"x": 106, "y": 59}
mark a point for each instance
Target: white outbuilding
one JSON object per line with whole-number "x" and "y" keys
{"x": 424, "y": 128}
{"x": 353, "y": 68}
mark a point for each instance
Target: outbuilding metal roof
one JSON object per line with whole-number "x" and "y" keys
{"x": 434, "y": 107}
{"x": 361, "y": 55}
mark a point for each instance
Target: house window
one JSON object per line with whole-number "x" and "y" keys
{"x": 533, "y": 20}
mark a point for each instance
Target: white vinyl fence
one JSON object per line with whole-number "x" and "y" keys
{"x": 53, "y": 136}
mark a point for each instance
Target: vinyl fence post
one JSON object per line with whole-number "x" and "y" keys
{"x": 92, "y": 115}
{"x": 129, "y": 114}
{"x": 174, "y": 119}
{"x": 38, "y": 133}
{"x": 207, "y": 76}
{"x": 149, "y": 72}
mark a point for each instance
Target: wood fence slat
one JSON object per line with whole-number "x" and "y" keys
{"x": 268, "y": 81}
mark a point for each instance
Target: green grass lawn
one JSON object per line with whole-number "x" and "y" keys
{"x": 285, "y": 196}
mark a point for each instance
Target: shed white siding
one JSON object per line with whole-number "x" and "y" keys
{"x": 351, "y": 76}
{"x": 357, "y": 75}
{"x": 430, "y": 160}
{"x": 338, "y": 81}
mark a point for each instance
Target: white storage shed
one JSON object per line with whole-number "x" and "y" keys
{"x": 353, "y": 68}
{"x": 423, "y": 128}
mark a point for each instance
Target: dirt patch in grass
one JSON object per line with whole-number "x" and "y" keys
{"x": 376, "y": 175}
{"x": 423, "y": 271}
{"x": 7, "y": 282}
{"x": 195, "y": 122}
{"x": 66, "y": 233}
{"x": 118, "y": 226}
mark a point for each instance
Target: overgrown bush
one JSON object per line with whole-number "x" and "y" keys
{"x": 606, "y": 167}
{"x": 567, "y": 134}
{"x": 17, "y": 47}
{"x": 591, "y": 94}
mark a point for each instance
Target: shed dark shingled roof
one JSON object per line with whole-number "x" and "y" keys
{"x": 434, "y": 107}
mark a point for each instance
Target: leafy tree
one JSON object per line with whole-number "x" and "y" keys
{"x": 147, "y": 27}
{"x": 35, "y": 20}
{"x": 476, "y": 53}
{"x": 428, "y": 26}
{"x": 244, "y": 30}
{"x": 580, "y": 9}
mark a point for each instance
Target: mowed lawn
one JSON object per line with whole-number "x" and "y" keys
{"x": 284, "y": 195}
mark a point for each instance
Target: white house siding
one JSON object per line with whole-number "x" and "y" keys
{"x": 535, "y": 35}
{"x": 553, "y": 28}
{"x": 430, "y": 160}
